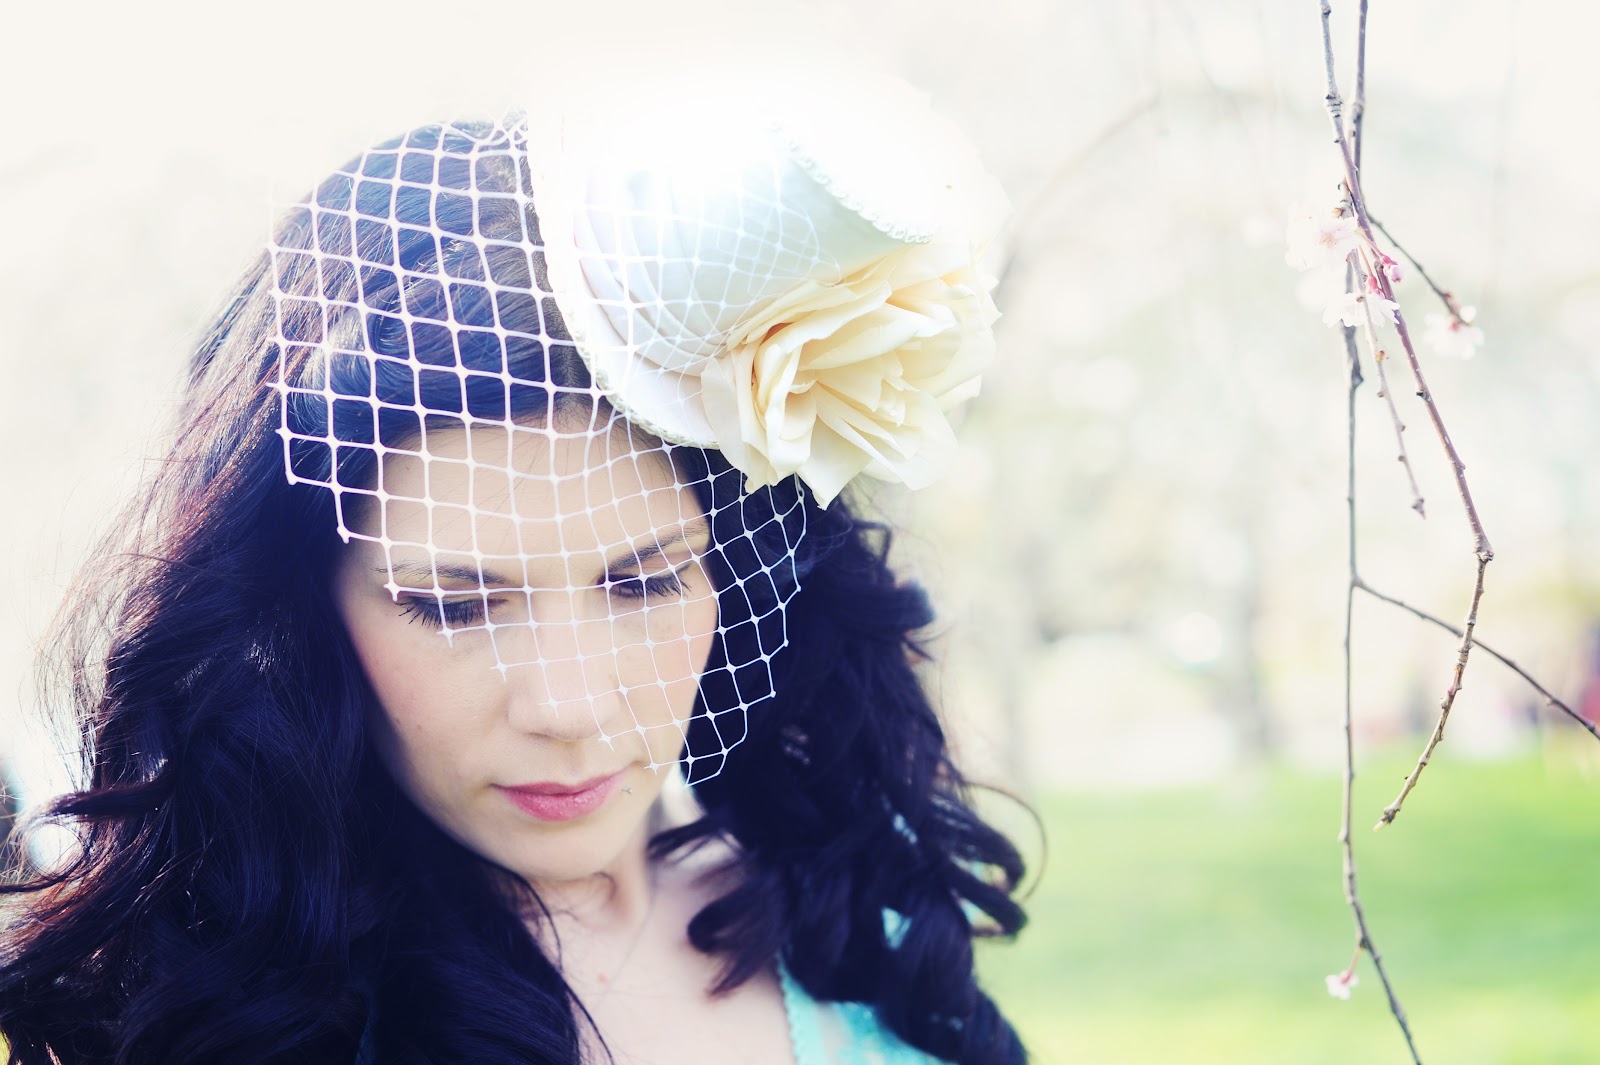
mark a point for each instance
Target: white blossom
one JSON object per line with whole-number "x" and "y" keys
{"x": 1340, "y": 984}
{"x": 1450, "y": 337}
{"x": 1317, "y": 236}
{"x": 1346, "y": 308}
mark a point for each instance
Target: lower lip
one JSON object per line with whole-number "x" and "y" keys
{"x": 564, "y": 805}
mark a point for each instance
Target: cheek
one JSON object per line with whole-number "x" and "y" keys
{"x": 424, "y": 700}
{"x": 661, "y": 669}
{"x": 432, "y": 737}
{"x": 680, "y": 636}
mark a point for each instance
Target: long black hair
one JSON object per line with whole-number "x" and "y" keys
{"x": 249, "y": 885}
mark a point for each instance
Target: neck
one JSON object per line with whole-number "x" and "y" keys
{"x": 616, "y": 899}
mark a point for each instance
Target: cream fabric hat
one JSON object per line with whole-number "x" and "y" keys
{"x": 785, "y": 272}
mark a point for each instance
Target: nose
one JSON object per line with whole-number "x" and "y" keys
{"x": 562, "y": 693}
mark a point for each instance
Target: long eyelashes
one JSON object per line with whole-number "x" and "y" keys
{"x": 465, "y": 613}
{"x": 660, "y": 585}
{"x": 460, "y": 613}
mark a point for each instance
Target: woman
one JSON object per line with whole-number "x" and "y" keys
{"x": 506, "y": 486}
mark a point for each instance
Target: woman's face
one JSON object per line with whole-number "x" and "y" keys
{"x": 535, "y": 634}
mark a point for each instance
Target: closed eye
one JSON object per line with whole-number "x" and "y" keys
{"x": 436, "y": 613}
{"x": 656, "y": 586}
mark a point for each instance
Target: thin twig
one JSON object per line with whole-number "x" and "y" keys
{"x": 1358, "y": 107}
{"x": 1352, "y": 894}
{"x": 1335, "y": 108}
{"x": 1380, "y": 358}
{"x": 1445, "y": 704}
{"x": 1550, "y": 699}
{"x": 1481, "y": 548}
{"x": 1358, "y": 111}
{"x": 1449, "y": 298}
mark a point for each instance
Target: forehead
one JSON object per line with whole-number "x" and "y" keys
{"x": 530, "y": 490}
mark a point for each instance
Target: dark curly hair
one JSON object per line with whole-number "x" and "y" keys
{"x": 250, "y": 885}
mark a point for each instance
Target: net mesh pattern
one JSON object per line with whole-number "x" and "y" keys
{"x": 475, "y": 463}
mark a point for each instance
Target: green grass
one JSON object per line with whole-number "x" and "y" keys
{"x": 1196, "y": 927}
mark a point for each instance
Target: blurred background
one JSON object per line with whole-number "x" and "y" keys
{"x": 1139, "y": 561}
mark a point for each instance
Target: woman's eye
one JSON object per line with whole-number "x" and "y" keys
{"x": 653, "y": 587}
{"x": 458, "y": 613}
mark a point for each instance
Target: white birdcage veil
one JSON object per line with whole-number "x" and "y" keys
{"x": 589, "y": 317}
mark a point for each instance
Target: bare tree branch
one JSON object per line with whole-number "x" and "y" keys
{"x": 1352, "y": 893}
{"x": 1550, "y": 700}
{"x": 1481, "y": 547}
{"x": 1445, "y": 704}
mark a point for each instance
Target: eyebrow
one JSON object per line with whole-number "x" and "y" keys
{"x": 417, "y": 572}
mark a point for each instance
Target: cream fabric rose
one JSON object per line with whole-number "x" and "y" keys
{"x": 834, "y": 380}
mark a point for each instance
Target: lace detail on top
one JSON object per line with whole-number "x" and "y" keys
{"x": 841, "y": 1033}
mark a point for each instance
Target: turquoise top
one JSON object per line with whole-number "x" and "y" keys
{"x": 822, "y": 1033}
{"x": 841, "y": 1033}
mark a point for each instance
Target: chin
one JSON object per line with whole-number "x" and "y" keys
{"x": 562, "y": 861}
{"x": 556, "y": 853}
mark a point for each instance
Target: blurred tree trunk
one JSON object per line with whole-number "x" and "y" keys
{"x": 1242, "y": 698}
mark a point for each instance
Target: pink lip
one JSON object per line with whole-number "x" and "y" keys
{"x": 556, "y": 801}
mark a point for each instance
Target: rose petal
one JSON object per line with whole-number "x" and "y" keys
{"x": 833, "y": 463}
